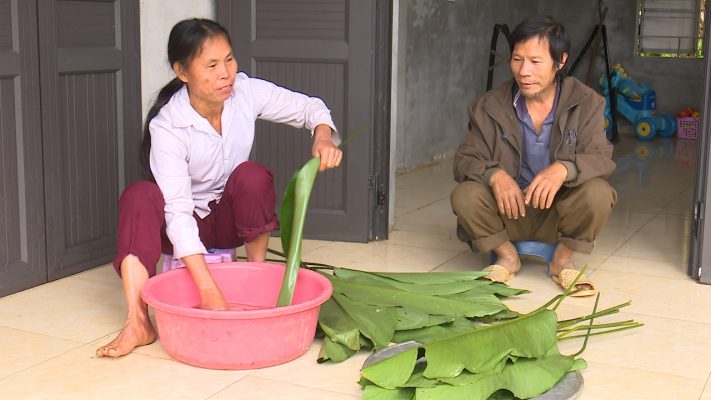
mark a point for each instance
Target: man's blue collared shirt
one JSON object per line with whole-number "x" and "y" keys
{"x": 535, "y": 155}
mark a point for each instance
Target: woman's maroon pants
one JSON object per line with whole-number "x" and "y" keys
{"x": 245, "y": 211}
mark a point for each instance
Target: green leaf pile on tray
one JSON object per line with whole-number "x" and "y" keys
{"x": 512, "y": 359}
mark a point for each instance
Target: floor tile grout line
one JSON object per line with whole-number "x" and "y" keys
{"x": 399, "y": 244}
{"x": 637, "y": 369}
{"x": 636, "y": 273}
{"x": 705, "y": 386}
{"x": 82, "y": 341}
{"x": 649, "y": 276}
{"x": 281, "y": 381}
{"x": 654, "y": 215}
{"x": 638, "y": 230}
{"x": 642, "y": 314}
{"x": 420, "y": 207}
{"x": 43, "y": 361}
{"x": 668, "y": 203}
{"x": 448, "y": 260}
{"x": 597, "y": 267}
{"x": 226, "y": 387}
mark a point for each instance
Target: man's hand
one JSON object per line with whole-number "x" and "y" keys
{"x": 509, "y": 197}
{"x": 542, "y": 190}
{"x": 325, "y": 148}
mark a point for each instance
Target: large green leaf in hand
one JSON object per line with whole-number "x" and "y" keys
{"x": 292, "y": 217}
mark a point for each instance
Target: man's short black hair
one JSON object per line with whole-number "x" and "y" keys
{"x": 545, "y": 28}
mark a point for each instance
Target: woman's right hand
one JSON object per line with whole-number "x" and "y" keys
{"x": 211, "y": 298}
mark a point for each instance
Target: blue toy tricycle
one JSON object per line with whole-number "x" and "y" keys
{"x": 637, "y": 103}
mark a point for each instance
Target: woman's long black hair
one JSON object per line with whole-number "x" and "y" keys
{"x": 184, "y": 43}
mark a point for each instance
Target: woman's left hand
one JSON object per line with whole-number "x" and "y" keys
{"x": 325, "y": 148}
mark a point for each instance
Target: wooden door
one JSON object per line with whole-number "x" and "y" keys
{"x": 90, "y": 125}
{"x": 325, "y": 49}
{"x": 22, "y": 239}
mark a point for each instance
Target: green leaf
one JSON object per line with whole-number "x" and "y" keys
{"x": 526, "y": 378}
{"x": 480, "y": 350}
{"x": 373, "y": 392}
{"x": 365, "y": 343}
{"x": 419, "y": 380}
{"x": 338, "y": 326}
{"x": 484, "y": 348}
{"x": 377, "y": 323}
{"x": 437, "y": 289}
{"x": 429, "y": 278}
{"x": 368, "y": 294}
{"x": 286, "y": 217}
{"x": 293, "y": 215}
{"x": 494, "y": 288}
{"x": 333, "y": 351}
{"x": 430, "y": 333}
{"x": 502, "y": 395}
{"x": 498, "y": 317}
{"x": 391, "y": 373}
{"x": 408, "y": 318}
{"x": 578, "y": 364}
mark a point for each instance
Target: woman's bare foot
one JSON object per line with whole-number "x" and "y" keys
{"x": 133, "y": 334}
{"x": 138, "y": 330}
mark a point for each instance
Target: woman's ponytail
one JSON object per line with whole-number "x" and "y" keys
{"x": 163, "y": 97}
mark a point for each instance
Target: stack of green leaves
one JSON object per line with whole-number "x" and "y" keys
{"x": 512, "y": 359}
{"x": 370, "y": 310}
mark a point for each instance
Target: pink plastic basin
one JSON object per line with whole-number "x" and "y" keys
{"x": 254, "y": 334}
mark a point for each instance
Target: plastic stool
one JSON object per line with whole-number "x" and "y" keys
{"x": 212, "y": 256}
{"x": 532, "y": 248}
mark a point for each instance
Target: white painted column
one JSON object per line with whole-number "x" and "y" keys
{"x": 157, "y": 18}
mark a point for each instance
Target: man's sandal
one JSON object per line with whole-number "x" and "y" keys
{"x": 566, "y": 277}
{"x": 497, "y": 273}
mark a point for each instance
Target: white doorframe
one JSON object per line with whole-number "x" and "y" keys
{"x": 397, "y": 95}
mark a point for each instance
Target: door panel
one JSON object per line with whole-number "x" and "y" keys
{"x": 91, "y": 125}
{"x": 22, "y": 239}
{"x": 322, "y": 48}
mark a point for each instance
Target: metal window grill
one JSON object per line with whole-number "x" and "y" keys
{"x": 670, "y": 28}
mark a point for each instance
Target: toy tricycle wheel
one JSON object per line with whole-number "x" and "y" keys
{"x": 668, "y": 127}
{"x": 645, "y": 129}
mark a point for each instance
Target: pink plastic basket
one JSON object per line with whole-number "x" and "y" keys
{"x": 687, "y": 127}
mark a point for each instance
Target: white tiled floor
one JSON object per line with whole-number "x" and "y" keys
{"x": 49, "y": 333}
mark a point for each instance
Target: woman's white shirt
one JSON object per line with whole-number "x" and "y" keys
{"x": 191, "y": 162}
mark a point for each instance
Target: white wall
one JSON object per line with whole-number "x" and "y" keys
{"x": 157, "y": 18}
